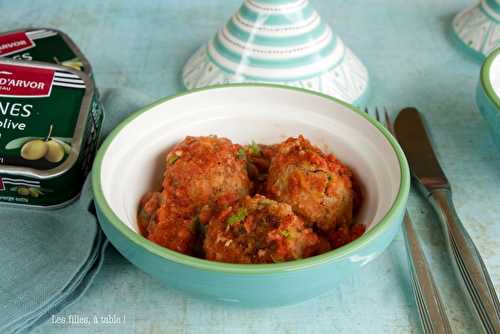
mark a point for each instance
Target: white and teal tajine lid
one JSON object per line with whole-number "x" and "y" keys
{"x": 280, "y": 42}
{"x": 478, "y": 28}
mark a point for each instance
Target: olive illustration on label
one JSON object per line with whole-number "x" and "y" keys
{"x": 34, "y": 149}
{"x": 53, "y": 149}
{"x": 34, "y": 192}
{"x": 55, "y": 152}
{"x": 23, "y": 191}
{"x": 74, "y": 63}
{"x": 30, "y": 191}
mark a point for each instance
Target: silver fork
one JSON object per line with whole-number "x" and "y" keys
{"x": 430, "y": 308}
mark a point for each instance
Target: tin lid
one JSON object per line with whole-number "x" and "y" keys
{"x": 44, "y": 45}
{"x": 40, "y": 102}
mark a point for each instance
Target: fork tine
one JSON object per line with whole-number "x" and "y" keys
{"x": 377, "y": 115}
{"x": 427, "y": 296}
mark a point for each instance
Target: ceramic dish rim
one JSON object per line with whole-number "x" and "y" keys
{"x": 253, "y": 269}
{"x": 486, "y": 78}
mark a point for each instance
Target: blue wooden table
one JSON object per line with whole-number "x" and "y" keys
{"x": 406, "y": 46}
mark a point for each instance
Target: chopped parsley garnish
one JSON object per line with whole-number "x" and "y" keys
{"x": 143, "y": 214}
{"x": 285, "y": 233}
{"x": 172, "y": 159}
{"x": 330, "y": 178}
{"x": 265, "y": 202}
{"x": 241, "y": 154}
{"x": 237, "y": 217}
{"x": 254, "y": 148}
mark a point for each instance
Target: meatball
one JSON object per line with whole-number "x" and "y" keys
{"x": 149, "y": 204}
{"x": 258, "y": 230}
{"x": 163, "y": 222}
{"x": 317, "y": 186}
{"x": 258, "y": 158}
{"x": 202, "y": 175}
{"x": 205, "y": 172}
{"x": 345, "y": 234}
{"x": 172, "y": 228}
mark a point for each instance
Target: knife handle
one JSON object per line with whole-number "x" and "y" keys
{"x": 469, "y": 267}
{"x": 430, "y": 308}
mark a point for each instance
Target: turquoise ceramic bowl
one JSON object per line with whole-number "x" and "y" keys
{"x": 129, "y": 163}
{"x": 488, "y": 94}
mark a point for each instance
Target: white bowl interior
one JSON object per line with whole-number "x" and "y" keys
{"x": 133, "y": 162}
{"x": 495, "y": 75}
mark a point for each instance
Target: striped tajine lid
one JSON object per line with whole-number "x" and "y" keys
{"x": 477, "y": 29}
{"x": 280, "y": 42}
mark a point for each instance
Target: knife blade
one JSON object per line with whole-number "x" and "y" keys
{"x": 466, "y": 260}
{"x": 412, "y": 135}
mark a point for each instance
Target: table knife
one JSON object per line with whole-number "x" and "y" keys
{"x": 431, "y": 181}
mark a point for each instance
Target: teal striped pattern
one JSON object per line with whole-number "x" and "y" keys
{"x": 276, "y": 19}
{"x": 491, "y": 8}
{"x": 272, "y": 63}
{"x": 493, "y": 4}
{"x": 280, "y": 42}
{"x": 245, "y": 36}
{"x": 276, "y": 40}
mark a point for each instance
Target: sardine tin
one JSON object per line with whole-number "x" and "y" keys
{"x": 44, "y": 45}
{"x": 45, "y": 108}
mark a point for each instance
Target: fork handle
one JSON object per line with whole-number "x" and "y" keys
{"x": 469, "y": 267}
{"x": 430, "y": 308}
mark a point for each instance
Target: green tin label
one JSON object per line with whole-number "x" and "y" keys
{"x": 50, "y": 119}
{"x": 44, "y": 45}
